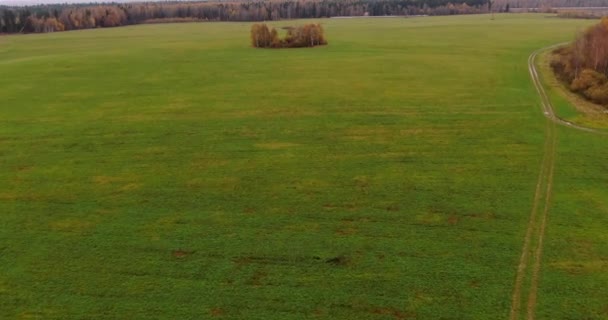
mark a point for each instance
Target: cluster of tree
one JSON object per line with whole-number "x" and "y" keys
{"x": 540, "y": 4}
{"x": 308, "y": 35}
{"x": 583, "y": 65}
{"x": 46, "y": 18}
{"x": 581, "y": 14}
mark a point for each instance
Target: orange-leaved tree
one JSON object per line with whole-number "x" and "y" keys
{"x": 308, "y": 35}
{"x": 583, "y": 65}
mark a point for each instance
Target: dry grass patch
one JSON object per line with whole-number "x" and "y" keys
{"x": 431, "y": 218}
{"x": 217, "y": 312}
{"x": 582, "y": 266}
{"x": 72, "y": 225}
{"x": 9, "y": 196}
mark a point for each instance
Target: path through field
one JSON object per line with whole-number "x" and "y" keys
{"x": 531, "y": 255}
{"x": 548, "y": 109}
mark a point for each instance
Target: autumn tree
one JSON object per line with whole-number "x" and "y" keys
{"x": 583, "y": 65}
{"x": 308, "y": 35}
{"x": 262, "y": 36}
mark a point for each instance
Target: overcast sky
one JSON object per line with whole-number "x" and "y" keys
{"x": 32, "y": 2}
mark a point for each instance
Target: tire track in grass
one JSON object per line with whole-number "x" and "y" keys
{"x": 541, "y": 233}
{"x": 536, "y": 226}
{"x": 535, "y": 232}
{"x": 548, "y": 109}
{"x": 523, "y": 260}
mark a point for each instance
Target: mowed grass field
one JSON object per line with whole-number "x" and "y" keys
{"x": 174, "y": 172}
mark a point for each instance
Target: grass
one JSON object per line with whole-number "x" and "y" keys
{"x": 171, "y": 171}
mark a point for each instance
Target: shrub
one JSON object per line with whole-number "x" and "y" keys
{"x": 598, "y": 94}
{"x": 587, "y": 79}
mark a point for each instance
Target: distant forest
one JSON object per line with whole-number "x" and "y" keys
{"x": 551, "y": 3}
{"x": 51, "y": 18}
{"x": 72, "y": 17}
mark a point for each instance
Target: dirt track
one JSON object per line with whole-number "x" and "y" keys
{"x": 530, "y": 260}
{"x": 546, "y": 103}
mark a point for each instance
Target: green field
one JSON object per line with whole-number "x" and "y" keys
{"x": 174, "y": 172}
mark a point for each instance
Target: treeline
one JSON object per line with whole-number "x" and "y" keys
{"x": 308, "y": 35}
{"x": 48, "y": 18}
{"x": 74, "y": 17}
{"x": 581, "y": 14}
{"x": 583, "y": 65}
{"x": 542, "y": 4}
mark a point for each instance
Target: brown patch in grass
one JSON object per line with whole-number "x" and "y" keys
{"x": 181, "y": 254}
{"x": 347, "y": 228}
{"x": 581, "y": 266}
{"x": 242, "y": 261}
{"x": 257, "y": 278}
{"x": 217, "y": 312}
{"x": 453, "y": 219}
{"x": 35, "y": 197}
{"x": 483, "y": 216}
{"x": 357, "y": 219}
{"x": 318, "y": 313}
{"x": 346, "y": 231}
{"x": 340, "y": 260}
{"x": 24, "y": 168}
{"x": 9, "y": 196}
{"x": 392, "y": 208}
